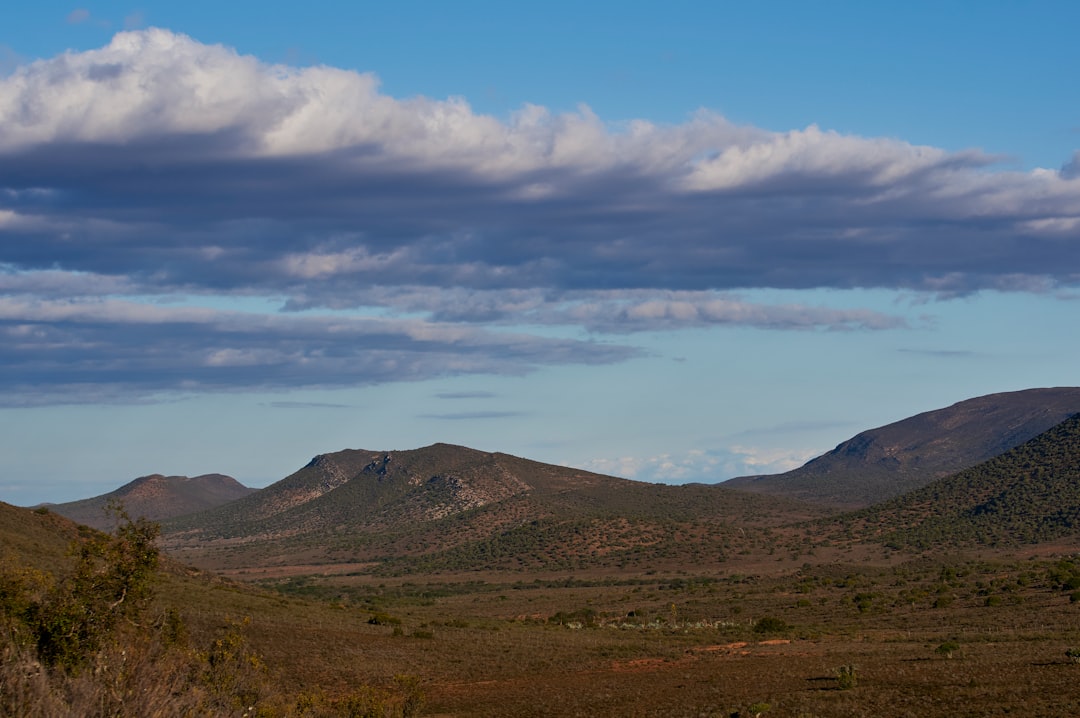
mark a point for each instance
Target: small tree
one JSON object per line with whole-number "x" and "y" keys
{"x": 112, "y": 581}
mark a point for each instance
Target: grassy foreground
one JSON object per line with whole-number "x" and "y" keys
{"x": 932, "y": 636}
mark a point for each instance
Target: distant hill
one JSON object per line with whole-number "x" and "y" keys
{"x": 34, "y": 537}
{"x": 1028, "y": 495}
{"x": 156, "y": 497}
{"x": 892, "y": 460}
{"x": 451, "y": 507}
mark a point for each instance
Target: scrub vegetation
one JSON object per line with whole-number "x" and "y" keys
{"x": 649, "y": 643}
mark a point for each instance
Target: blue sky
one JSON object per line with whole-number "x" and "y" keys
{"x": 670, "y": 241}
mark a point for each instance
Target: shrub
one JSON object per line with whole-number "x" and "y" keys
{"x": 948, "y": 648}
{"x": 863, "y": 601}
{"x": 412, "y": 697}
{"x": 771, "y": 624}
{"x": 845, "y": 677}
{"x": 584, "y": 617}
{"x": 384, "y": 619}
{"x": 232, "y": 671}
{"x": 111, "y": 581}
{"x": 1073, "y": 654}
{"x": 82, "y": 645}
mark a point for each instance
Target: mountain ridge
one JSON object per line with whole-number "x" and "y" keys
{"x": 156, "y": 497}
{"x": 890, "y": 460}
{"x": 444, "y": 500}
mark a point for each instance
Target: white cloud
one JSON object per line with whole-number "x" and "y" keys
{"x": 816, "y": 153}
{"x": 694, "y": 465}
{"x": 757, "y": 460}
{"x": 158, "y": 166}
{"x": 353, "y": 183}
{"x": 701, "y": 465}
{"x": 154, "y": 82}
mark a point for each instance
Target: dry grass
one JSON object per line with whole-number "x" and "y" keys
{"x": 675, "y": 640}
{"x": 562, "y": 646}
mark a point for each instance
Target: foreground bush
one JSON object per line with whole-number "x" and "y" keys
{"x": 85, "y": 644}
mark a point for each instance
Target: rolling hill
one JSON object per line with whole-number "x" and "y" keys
{"x": 450, "y": 507}
{"x": 1028, "y": 495}
{"x": 155, "y": 497}
{"x": 892, "y": 460}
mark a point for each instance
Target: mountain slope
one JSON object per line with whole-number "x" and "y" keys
{"x": 452, "y": 507}
{"x": 900, "y": 457}
{"x": 1028, "y": 495}
{"x": 36, "y": 537}
{"x": 156, "y": 497}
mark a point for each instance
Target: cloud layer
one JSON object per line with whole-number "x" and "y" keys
{"x": 113, "y": 350}
{"x": 161, "y": 169}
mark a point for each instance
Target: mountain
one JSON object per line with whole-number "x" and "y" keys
{"x": 452, "y": 507}
{"x": 155, "y": 497}
{"x": 1028, "y": 495}
{"x": 892, "y": 460}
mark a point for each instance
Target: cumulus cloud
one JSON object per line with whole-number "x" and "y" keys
{"x": 701, "y": 465}
{"x": 316, "y": 176}
{"x": 159, "y": 166}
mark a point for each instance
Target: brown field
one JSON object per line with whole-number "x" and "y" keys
{"x": 794, "y": 625}
{"x": 676, "y": 643}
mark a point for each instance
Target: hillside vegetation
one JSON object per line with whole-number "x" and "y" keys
{"x": 97, "y": 625}
{"x": 892, "y": 460}
{"x": 1028, "y": 495}
{"x": 449, "y": 508}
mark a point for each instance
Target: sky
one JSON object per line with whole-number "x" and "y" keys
{"x": 670, "y": 241}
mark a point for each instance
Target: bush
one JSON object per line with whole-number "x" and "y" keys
{"x": 384, "y": 619}
{"x": 1073, "y": 654}
{"x": 111, "y": 581}
{"x": 948, "y": 648}
{"x": 771, "y": 624}
{"x": 845, "y": 677}
{"x": 757, "y": 710}
{"x": 83, "y": 645}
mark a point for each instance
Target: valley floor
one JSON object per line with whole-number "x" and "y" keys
{"x": 920, "y": 639}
